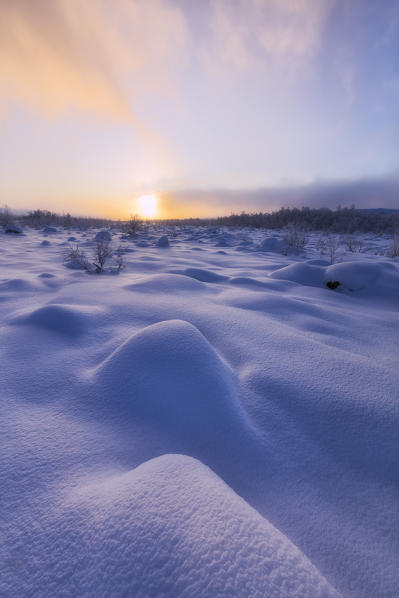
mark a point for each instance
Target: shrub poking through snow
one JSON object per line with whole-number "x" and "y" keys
{"x": 332, "y": 246}
{"x": 295, "y": 237}
{"x": 393, "y": 249}
{"x": 132, "y": 225}
{"x": 102, "y": 251}
{"x": 321, "y": 245}
{"x": 353, "y": 243}
{"x": 77, "y": 259}
{"x": 332, "y": 284}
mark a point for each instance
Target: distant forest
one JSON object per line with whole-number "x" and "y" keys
{"x": 340, "y": 220}
{"x": 40, "y": 218}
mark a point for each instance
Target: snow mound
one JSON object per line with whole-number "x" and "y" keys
{"x": 273, "y": 244}
{"x": 103, "y": 235}
{"x": 170, "y": 528}
{"x": 49, "y": 229}
{"x": 169, "y": 373}
{"x": 318, "y": 262}
{"x": 12, "y": 227}
{"x": 377, "y": 279}
{"x": 163, "y": 241}
{"x": 247, "y": 280}
{"x": 63, "y": 319}
{"x": 302, "y": 273}
{"x": 354, "y": 276}
{"x": 17, "y": 285}
{"x": 202, "y": 275}
{"x": 45, "y": 243}
{"x": 166, "y": 283}
{"x": 73, "y": 264}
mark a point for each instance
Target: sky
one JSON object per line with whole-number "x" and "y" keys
{"x": 214, "y": 106}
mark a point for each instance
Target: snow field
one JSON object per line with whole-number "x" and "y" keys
{"x": 206, "y": 423}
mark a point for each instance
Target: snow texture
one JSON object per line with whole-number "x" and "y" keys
{"x": 170, "y": 527}
{"x": 207, "y": 423}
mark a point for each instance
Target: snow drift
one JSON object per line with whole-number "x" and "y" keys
{"x": 170, "y": 374}
{"x": 168, "y": 528}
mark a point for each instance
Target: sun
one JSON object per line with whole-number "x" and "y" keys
{"x": 147, "y": 205}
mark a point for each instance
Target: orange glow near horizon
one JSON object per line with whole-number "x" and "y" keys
{"x": 162, "y": 205}
{"x": 147, "y": 206}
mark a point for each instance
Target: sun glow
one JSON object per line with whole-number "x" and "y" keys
{"x": 147, "y": 206}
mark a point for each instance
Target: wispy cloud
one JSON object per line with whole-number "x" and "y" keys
{"x": 249, "y": 34}
{"x": 94, "y": 55}
{"x": 102, "y": 59}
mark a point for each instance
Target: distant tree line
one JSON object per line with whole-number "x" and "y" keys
{"x": 40, "y": 218}
{"x": 341, "y": 220}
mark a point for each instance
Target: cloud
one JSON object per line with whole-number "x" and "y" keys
{"x": 252, "y": 34}
{"x": 92, "y": 55}
{"x": 364, "y": 193}
{"x": 103, "y": 59}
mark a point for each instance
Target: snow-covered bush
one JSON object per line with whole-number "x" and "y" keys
{"x": 76, "y": 258}
{"x": 329, "y": 245}
{"x": 321, "y": 245}
{"x": 102, "y": 251}
{"x": 295, "y": 236}
{"x": 132, "y": 225}
{"x": 393, "y": 249}
{"x": 353, "y": 243}
{"x": 333, "y": 244}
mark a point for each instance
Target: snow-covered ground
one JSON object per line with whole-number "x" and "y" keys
{"x": 213, "y": 421}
